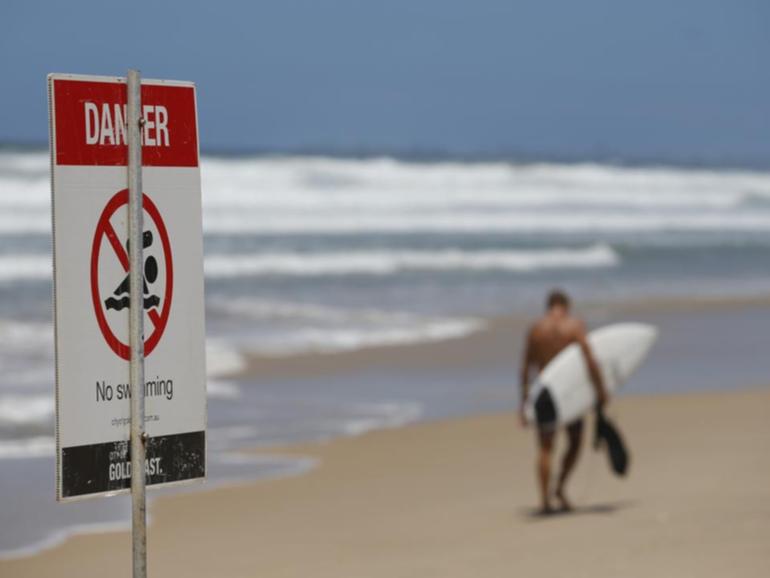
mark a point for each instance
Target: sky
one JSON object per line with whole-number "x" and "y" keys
{"x": 658, "y": 80}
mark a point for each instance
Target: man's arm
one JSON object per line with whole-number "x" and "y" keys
{"x": 593, "y": 367}
{"x": 526, "y": 363}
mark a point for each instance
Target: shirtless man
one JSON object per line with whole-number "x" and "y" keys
{"x": 546, "y": 338}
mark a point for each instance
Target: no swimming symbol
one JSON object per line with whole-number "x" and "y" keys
{"x": 157, "y": 307}
{"x": 121, "y": 298}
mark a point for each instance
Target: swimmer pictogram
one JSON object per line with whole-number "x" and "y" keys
{"x": 157, "y": 305}
{"x": 150, "y": 275}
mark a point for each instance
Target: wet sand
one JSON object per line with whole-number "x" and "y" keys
{"x": 456, "y": 498}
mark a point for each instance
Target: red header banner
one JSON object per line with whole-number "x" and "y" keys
{"x": 90, "y": 124}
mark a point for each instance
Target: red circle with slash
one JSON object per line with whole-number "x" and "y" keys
{"x": 104, "y": 230}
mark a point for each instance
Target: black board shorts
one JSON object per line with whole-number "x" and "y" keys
{"x": 545, "y": 411}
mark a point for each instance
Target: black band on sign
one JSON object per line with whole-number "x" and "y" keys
{"x": 106, "y": 467}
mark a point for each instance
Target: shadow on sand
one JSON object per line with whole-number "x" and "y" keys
{"x": 596, "y": 509}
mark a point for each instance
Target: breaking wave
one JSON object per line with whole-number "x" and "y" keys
{"x": 393, "y": 261}
{"x": 302, "y": 195}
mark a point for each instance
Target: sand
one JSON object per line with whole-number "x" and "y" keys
{"x": 456, "y": 498}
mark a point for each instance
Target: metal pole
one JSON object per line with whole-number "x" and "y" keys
{"x": 136, "y": 324}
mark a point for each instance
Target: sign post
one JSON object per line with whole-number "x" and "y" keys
{"x": 136, "y": 325}
{"x": 128, "y": 289}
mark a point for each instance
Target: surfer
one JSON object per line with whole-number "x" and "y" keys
{"x": 546, "y": 338}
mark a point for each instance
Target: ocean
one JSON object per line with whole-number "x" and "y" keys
{"x": 313, "y": 254}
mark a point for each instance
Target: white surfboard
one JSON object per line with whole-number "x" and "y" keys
{"x": 618, "y": 349}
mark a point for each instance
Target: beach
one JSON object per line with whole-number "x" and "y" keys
{"x": 455, "y": 495}
{"x": 364, "y": 333}
{"x": 456, "y": 498}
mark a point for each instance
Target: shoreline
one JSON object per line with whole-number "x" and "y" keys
{"x": 497, "y": 337}
{"x": 435, "y": 495}
{"x": 489, "y": 352}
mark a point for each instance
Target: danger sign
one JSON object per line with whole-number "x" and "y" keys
{"x": 91, "y": 287}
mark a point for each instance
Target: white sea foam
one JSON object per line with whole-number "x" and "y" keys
{"x": 383, "y": 415}
{"x": 348, "y": 339}
{"x": 300, "y": 195}
{"x": 306, "y": 328}
{"x": 35, "y": 447}
{"x": 28, "y": 164}
{"x": 383, "y": 262}
{"x": 26, "y": 363}
{"x": 333, "y": 340}
{"x": 16, "y": 410}
{"x": 271, "y": 309}
{"x": 305, "y": 181}
{"x": 478, "y": 222}
{"x": 393, "y": 261}
{"x": 220, "y": 389}
{"x": 21, "y": 335}
{"x": 30, "y": 267}
{"x": 221, "y": 358}
{"x": 240, "y": 221}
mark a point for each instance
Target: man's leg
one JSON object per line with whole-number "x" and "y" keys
{"x": 574, "y": 437}
{"x": 545, "y": 439}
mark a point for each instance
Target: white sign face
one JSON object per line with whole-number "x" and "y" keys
{"x": 91, "y": 299}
